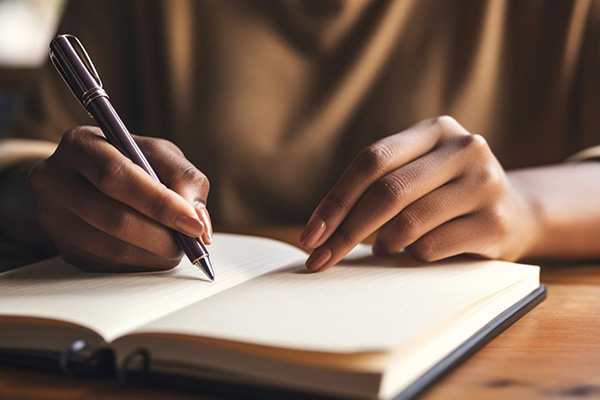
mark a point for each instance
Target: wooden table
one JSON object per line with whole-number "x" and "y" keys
{"x": 551, "y": 353}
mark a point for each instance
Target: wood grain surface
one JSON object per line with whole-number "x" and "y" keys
{"x": 551, "y": 353}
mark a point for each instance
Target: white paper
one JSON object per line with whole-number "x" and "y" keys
{"x": 113, "y": 304}
{"x": 365, "y": 304}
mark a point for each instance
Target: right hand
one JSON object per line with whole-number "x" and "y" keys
{"x": 106, "y": 214}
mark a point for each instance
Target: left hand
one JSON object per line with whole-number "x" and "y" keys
{"x": 434, "y": 189}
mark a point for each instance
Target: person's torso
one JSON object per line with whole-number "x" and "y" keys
{"x": 272, "y": 100}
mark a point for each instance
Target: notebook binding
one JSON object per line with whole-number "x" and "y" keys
{"x": 76, "y": 360}
{"x": 134, "y": 376}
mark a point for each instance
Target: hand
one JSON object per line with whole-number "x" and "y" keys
{"x": 104, "y": 213}
{"x": 434, "y": 189}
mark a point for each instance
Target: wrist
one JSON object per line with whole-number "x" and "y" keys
{"x": 530, "y": 221}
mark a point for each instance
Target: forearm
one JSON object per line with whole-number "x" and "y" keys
{"x": 565, "y": 202}
{"x": 18, "y": 211}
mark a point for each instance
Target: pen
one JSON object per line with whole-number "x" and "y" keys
{"x": 77, "y": 70}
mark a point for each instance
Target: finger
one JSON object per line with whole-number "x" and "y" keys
{"x": 389, "y": 196}
{"x": 91, "y": 263}
{"x": 371, "y": 164}
{"x": 108, "y": 215}
{"x": 432, "y": 210}
{"x": 75, "y": 239}
{"x": 473, "y": 234}
{"x": 116, "y": 176}
{"x": 202, "y": 212}
{"x": 181, "y": 176}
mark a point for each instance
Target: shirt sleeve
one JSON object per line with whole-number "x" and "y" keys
{"x": 589, "y": 154}
{"x": 15, "y": 151}
{"x": 47, "y": 109}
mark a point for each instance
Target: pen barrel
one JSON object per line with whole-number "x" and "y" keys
{"x": 193, "y": 248}
{"x": 117, "y": 134}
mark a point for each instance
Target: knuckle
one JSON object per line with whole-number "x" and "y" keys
{"x": 425, "y": 250}
{"x": 478, "y": 141}
{"x": 475, "y": 144}
{"x": 372, "y": 160}
{"x": 160, "y": 143}
{"x": 75, "y": 137}
{"x": 469, "y": 142}
{"x": 195, "y": 177}
{"x": 167, "y": 144}
{"x": 385, "y": 246}
{"x": 157, "y": 264}
{"x": 336, "y": 203}
{"x": 174, "y": 252}
{"x": 120, "y": 252}
{"x": 168, "y": 246}
{"x": 391, "y": 189}
{"x": 118, "y": 222}
{"x": 408, "y": 223}
{"x": 498, "y": 219}
{"x": 155, "y": 145}
{"x": 462, "y": 142}
{"x": 70, "y": 137}
{"x": 72, "y": 143}
{"x": 489, "y": 175}
{"x": 110, "y": 176}
{"x": 165, "y": 259}
{"x": 171, "y": 262}
{"x": 343, "y": 238}
{"x": 79, "y": 262}
{"x": 443, "y": 122}
{"x": 446, "y": 127}
{"x": 159, "y": 204}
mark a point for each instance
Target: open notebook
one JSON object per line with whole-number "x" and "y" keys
{"x": 368, "y": 328}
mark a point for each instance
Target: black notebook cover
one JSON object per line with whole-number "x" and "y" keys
{"x": 101, "y": 363}
{"x": 241, "y": 391}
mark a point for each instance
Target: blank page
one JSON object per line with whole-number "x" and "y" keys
{"x": 113, "y": 304}
{"x": 364, "y": 304}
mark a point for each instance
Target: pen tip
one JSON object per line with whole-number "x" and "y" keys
{"x": 206, "y": 266}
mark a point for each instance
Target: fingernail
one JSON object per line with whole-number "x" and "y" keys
{"x": 190, "y": 226}
{"x": 318, "y": 258}
{"x": 313, "y": 232}
{"x": 203, "y": 214}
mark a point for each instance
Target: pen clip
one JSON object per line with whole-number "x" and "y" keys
{"x": 62, "y": 73}
{"x": 87, "y": 61}
{"x": 75, "y": 66}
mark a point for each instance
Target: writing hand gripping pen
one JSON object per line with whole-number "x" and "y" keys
{"x": 76, "y": 68}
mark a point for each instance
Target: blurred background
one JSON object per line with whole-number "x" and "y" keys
{"x": 26, "y": 28}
